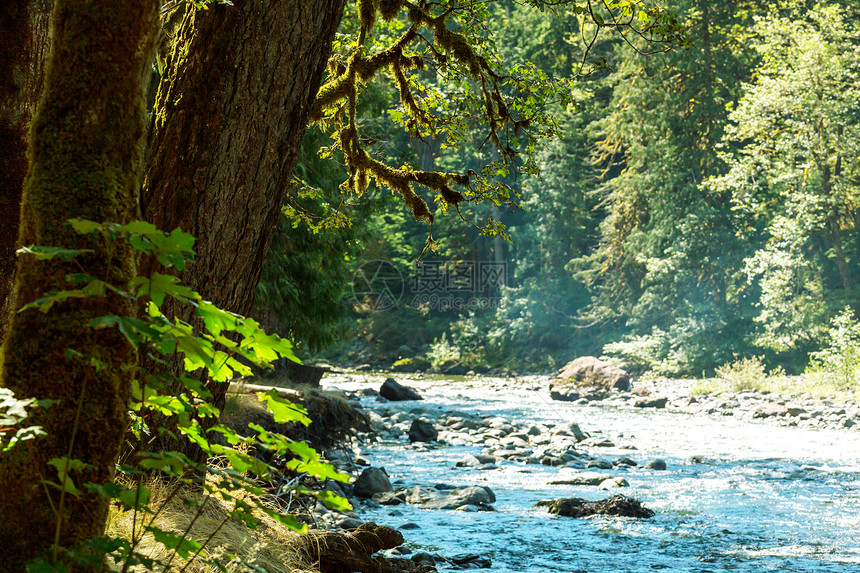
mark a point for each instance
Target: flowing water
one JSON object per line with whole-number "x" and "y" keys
{"x": 765, "y": 498}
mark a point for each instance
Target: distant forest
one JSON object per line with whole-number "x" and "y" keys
{"x": 698, "y": 206}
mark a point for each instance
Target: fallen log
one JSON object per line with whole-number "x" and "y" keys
{"x": 245, "y": 388}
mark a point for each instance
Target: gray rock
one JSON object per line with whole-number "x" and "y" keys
{"x": 461, "y": 496}
{"x": 769, "y": 410}
{"x": 613, "y": 483}
{"x": 350, "y": 523}
{"x": 389, "y": 498}
{"x": 471, "y": 561}
{"x": 422, "y": 431}
{"x": 569, "y": 429}
{"x": 474, "y": 461}
{"x": 396, "y": 392}
{"x": 371, "y": 481}
{"x": 584, "y": 478}
{"x": 587, "y": 371}
{"x": 422, "y": 558}
{"x": 659, "y": 465}
{"x": 655, "y": 403}
{"x": 597, "y": 442}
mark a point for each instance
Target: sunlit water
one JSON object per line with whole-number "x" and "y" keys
{"x": 767, "y": 498}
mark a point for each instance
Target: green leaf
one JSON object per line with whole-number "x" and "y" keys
{"x": 135, "y": 330}
{"x": 183, "y": 546}
{"x": 46, "y": 302}
{"x": 159, "y": 286}
{"x": 289, "y": 521}
{"x": 65, "y": 466}
{"x": 84, "y": 226}
{"x": 42, "y": 566}
{"x": 333, "y": 501}
{"x": 283, "y": 410}
{"x": 47, "y": 253}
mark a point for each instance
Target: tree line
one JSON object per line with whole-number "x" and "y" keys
{"x": 700, "y": 205}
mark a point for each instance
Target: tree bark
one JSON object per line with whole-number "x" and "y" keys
{"x": 229, "y": 117}
{"x": 85, "y": 154}
{"x": 25, "y": 29}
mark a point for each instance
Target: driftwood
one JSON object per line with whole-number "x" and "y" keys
{"x": 340, "y": 552}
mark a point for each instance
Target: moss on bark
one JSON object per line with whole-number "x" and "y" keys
{"x": 85, "y": 151}
{"x": 25, "y": 32}
{"x": 229, "y": 117}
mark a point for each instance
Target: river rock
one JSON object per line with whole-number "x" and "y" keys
{"x": 769, "y": 410}
{"x": 422, "y": 431}
{"x": 658, "y": 465}
{"x": 371, "y": 481}
{"x": 389, "y": 497}
{"x": 350, "y": 523}
{"x": 392, "y": 390}
{"x": 422, "y": 558}
{"x": 655, "y": 403}
{"x": 613, "y": 482}
{"x": 471, "y": 561}
{"x": 584, "y": 478}
{"x": 569, "y": 429}
{"x": 426, "y": 498}
{"x": 616, "y": 505}
{"x": 587, "y": 371}
{"x": 598, "y": 442}
{"x": 471, "y": 461}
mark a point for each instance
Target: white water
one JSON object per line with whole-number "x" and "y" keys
{"x": 767, "y": 498}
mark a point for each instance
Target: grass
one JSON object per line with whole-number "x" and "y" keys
{"x": 747, "y": 374}
{"x": 272, "y": 546}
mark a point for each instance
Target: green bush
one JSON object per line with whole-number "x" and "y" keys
{"x": 838, "y": 363}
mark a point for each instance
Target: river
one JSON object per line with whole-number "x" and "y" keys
{"x": 759, "y": 497}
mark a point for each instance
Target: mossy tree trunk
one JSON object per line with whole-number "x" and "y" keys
{"x": 85, "y": 152}
{"x": 24, "y": 28}
{"x": 229, "y": 117}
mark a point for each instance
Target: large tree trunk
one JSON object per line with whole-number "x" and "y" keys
{"x": 25, "y": 30}
{"x": 85, "y": 155}
{"x": 228, "y": 121}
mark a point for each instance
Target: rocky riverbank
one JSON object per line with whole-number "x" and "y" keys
{"x": 687, "y": 396}
{"x": 584, "y": 459}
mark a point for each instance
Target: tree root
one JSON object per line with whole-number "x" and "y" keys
{"x": 341, "y": 552}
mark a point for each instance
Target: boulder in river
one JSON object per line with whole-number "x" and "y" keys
{"x": 371, "y": 481}
{"x": 613, "y": 482}
{"x": 393, "y": 390}
{"x": 422, "y": 431}
{"x": 569, "y": 429}
{"x": 471, "y": 461}
{"x": 583, "y": 478}
{"x": 616, "y": 505}
{"x": 653, "y": 403}
{"x": 587, "y": 371}
{"x": 657, "y": 464}
{"x": 471, "y": 561}
{"x": 425, "y": 498}
{"x": 770, "y": 409}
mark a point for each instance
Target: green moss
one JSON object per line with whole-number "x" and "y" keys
{"x": 85, "y": 151}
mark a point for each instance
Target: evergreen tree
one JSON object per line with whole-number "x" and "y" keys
{"x": 666, "y": 266}
{"x": 794, "y": 174}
